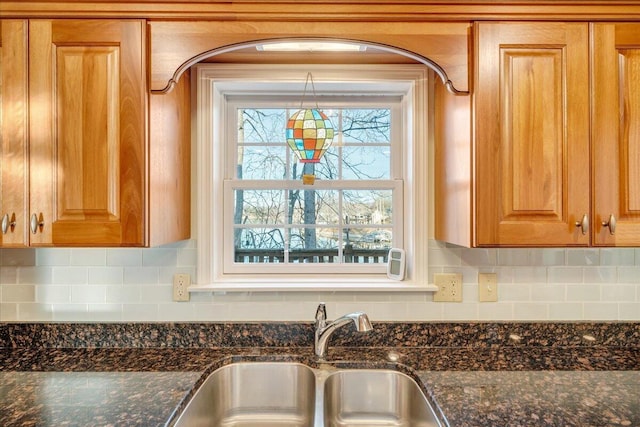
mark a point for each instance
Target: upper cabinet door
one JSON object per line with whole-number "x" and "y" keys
{"x": 87, "y": 132}
{"x": 531, "y": 120}
{"x": 13, "y": 133}
{"x": 616, "y": 134}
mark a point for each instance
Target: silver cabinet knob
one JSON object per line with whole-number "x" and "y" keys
{"x": 611, "y": 223}
{"x": 8, "y": 223}
{"x": 36, "y": 223}
{"x": 584, "y": 224}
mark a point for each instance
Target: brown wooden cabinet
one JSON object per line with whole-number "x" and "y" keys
{"x": 14, "y": 158}
{"x": 83, "y": 173}
{"x": 556, "y": 137}
{"x": 615, "y": 130}
{"x": 532, "y": 133}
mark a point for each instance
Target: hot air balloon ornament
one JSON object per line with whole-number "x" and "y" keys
{"x": 309, "y": 134}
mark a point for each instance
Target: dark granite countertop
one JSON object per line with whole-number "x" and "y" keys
{"x": 529, "y": 382}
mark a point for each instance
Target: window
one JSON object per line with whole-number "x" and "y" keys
{"x": 261, "y": 227}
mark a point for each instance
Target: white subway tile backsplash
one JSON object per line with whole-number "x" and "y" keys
{"x": 53, "y": 256}
{"x": 17, "y": 257}
{"x": 600, "y": 311}
{"x": 495, "y": 311}
{"x": 617, "y": 256}
{"x": 140, "y": 275}
{"x": 460, "y": 311}
{"x": 123, "y": 294}
{"x": 528, "y": 275}
{"x": 601, "y": 275}
{"x": 514, "y": 292}
{"x": 629, "y": 311}
{"x": 618, "y": 292}
{"x": 88, "y": 294}
{"x": 134, "y": 284}
{"x": 18, "y": 293}
{"x": 106, "y": 276}
{"x": 583, "y": 292}
{"x": 35, "y": 312}
{"x": 8, "y": 275}
{"x": 124, "y": 257}
{"x": 159, "y": 257}
{"x": 566, "y": 311}
{"x": 88, "y": 257}
{"x": 35, "y": 275}
{"x": 526, "y": 311}
{"x": 70, "y": 275}
{"x": 583, "y": 256}
{"x": 8, "y": 312}
{"x": 556, "y": 292}
{"x": 628, "y": 275}
{"x": 53, "y": 294}
{"x": 547, "y": 257}
{"x": 565, "y": 275}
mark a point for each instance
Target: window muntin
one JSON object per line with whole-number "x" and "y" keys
{"x": 345, "y": 219}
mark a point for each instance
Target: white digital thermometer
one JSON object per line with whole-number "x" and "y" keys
{"x": 396, "y": 264}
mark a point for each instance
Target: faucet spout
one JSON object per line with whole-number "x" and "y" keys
{"x": 324, "y": 329}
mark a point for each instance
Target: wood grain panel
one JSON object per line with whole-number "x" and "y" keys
{"x": 177, "y": 45}
{"x": 88, "y": 139}
{"x": 13, "y": 130}
{"x": 533, "y": 113}
{"x": 170, "y": 164}
{"x": 532, "y": 133}
{"x": 453, "y": 168}
{"x": 374, "y": 11}
{"x": 616, "y": 132}
{"x": 88, "y": 103}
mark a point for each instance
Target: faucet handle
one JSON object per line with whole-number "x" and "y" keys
{"x": 321, "y": 315}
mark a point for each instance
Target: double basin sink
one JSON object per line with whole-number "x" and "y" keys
{"x": 262, "y": 394}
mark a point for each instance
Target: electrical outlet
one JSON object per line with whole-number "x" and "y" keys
{"x": 449, "y": 287}
{"x": 488, "y": 287}
{"x": 181, "y": 284}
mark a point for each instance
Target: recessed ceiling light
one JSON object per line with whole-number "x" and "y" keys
{"x": 311, "y": 46}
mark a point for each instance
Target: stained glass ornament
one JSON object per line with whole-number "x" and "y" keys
{"x": 309, "y": 134}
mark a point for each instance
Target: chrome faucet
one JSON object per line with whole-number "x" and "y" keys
{"x": 324, "y": 329}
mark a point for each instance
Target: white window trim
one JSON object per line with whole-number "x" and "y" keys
{"x": 211, "y": 80}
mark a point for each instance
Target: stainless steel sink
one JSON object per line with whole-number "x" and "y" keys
{"x": 267, "y": 394}
{"x": 375, "y": 398}
{"x": 254, "y": 394}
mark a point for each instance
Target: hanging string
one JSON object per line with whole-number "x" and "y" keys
{"x": 313, "y": 89}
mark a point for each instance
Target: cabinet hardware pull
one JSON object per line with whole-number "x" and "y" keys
{"x": 36, "y": 223}
{"x": 8, "y": 223}
{"x": 611, "y": 223}
{"x": 584, "y": 224}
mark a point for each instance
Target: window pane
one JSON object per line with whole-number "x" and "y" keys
{"x": 261, "y": 125}
{"x": 261, "y": 162}
{"x": 367, "y": 245}
{"x": 368, "y": 206}
{"x": 259, "y": 238}
{"x": 366, "y": 162}
{"x": 366, "y": 125}
{"x": 314, "y": 206}
{"x": 259, "y": 207}
{"x": 313, "y": 245}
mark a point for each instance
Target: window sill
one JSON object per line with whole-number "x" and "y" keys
{"x": 375, "y": 285}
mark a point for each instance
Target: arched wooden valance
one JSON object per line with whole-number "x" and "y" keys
{"x": 444, "y": 47}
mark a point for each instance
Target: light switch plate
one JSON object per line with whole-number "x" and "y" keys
{"x": 488, "y": 287}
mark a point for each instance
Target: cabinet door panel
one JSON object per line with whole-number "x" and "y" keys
{"x": 88, "y": 132}
{"x": 616, "y": 133}
{"x": 13, "y": 131}
{"x": 532, "y": 133}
